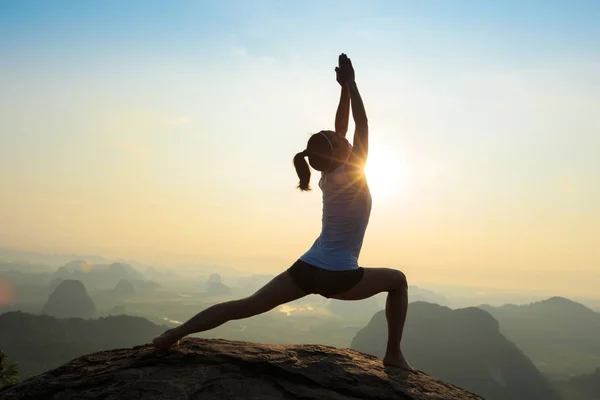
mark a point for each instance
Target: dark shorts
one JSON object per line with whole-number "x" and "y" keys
{"x": 315, "y": 280}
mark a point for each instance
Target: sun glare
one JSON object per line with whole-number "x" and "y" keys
{"x": 386, "y": 172}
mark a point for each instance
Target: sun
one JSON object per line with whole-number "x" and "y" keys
{"x": 386, "y": 172}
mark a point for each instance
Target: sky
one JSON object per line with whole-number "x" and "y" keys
{"x": 164, "y": 132}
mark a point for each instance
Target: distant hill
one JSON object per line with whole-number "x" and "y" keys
{"x": 560, "y": 336}
{"x": 583, "y": 387}
{"x": 123, "y": 288}
{"x": 463, "y": 347}
{"x": 17, "y": 277}
{"x": 17, "y": 256}
{"x": 70, "y": 299}
{"x": 215, "y": 287}
{"x": 29, "y": 290}
{"x": 39, "y": 343}
{"x": 24, "y": 267}
{"x": 98, "y": 276}
{"x": 54, "y": 260}
{"x": 364, "y": 309}
{"x": 416, "y": 293}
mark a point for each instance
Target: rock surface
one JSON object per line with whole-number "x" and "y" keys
{"x": 228, "y": 370}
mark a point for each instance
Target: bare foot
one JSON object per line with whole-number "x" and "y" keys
{"x": 165, "y": 340}
{"x": 398, "y": 362}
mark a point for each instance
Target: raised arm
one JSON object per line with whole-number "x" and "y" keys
{"x": 360, "y": 144}
{"x": 342, "y": 114}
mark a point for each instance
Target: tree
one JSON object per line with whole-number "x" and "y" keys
{"x": 8, "y": 371}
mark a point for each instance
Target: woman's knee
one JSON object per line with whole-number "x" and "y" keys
{"x": 400, "y": 281}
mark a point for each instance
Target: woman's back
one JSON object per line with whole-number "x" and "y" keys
{"x": 346, "y": 212}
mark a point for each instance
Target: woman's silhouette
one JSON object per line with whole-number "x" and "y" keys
{"x": 330, "y": 267}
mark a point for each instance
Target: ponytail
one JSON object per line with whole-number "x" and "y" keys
{"x": 303, "y": 171}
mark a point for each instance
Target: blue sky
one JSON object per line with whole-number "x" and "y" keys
{"x": 528, "y": 29}
{"x": 132, "y": 129}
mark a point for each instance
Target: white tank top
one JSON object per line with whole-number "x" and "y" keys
{"x": 346, "y": 212}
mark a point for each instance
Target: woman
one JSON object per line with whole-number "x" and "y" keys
{"x": 330, "y": 267}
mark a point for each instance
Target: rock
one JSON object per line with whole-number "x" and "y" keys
{"x": 228, "y": 370}
{"x": 70, "y": 299}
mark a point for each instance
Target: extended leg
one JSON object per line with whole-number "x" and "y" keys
{"x": 278, "y": 291}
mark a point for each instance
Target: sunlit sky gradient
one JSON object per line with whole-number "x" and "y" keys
{"x": 164, "y": 132}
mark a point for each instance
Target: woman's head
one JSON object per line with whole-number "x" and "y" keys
{"x": 325, "y": 151}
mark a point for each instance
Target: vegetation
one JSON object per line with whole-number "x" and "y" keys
{"x": 41, "y": 343}
{"x": 8, "y": 371}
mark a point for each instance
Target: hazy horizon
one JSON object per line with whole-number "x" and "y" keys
{"x": 164, "y": 133}
{"x": 468, "y": 292}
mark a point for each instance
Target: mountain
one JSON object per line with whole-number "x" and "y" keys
{"x": 24, "y": 291}
{"x": 416, "y": 293}
{"x": 463, "y": 347}
{"x": 39, "y": 343}
{"x": 364, "y": 309}
{"x": 70, "y": 299}
{"x": 98, "y": 276}
{"x": 227, "y": 370}
{"x": 214, "y": 286}
{"x": 217, "y": 289}
{"x": 123, "y": 288}
{"x": 560, "y": 336}
{"x": 214, "y": 278}
{"x": 24, "y": 267}
{"x": 583, "y": 387}
{"x": 20, "y": 278}
{"x": 11, "y": 255}
{"x": 55, "y": 260}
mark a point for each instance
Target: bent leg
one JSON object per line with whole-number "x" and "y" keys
{"x": 377, "y": 280}
{"x": 279, "y": 290}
